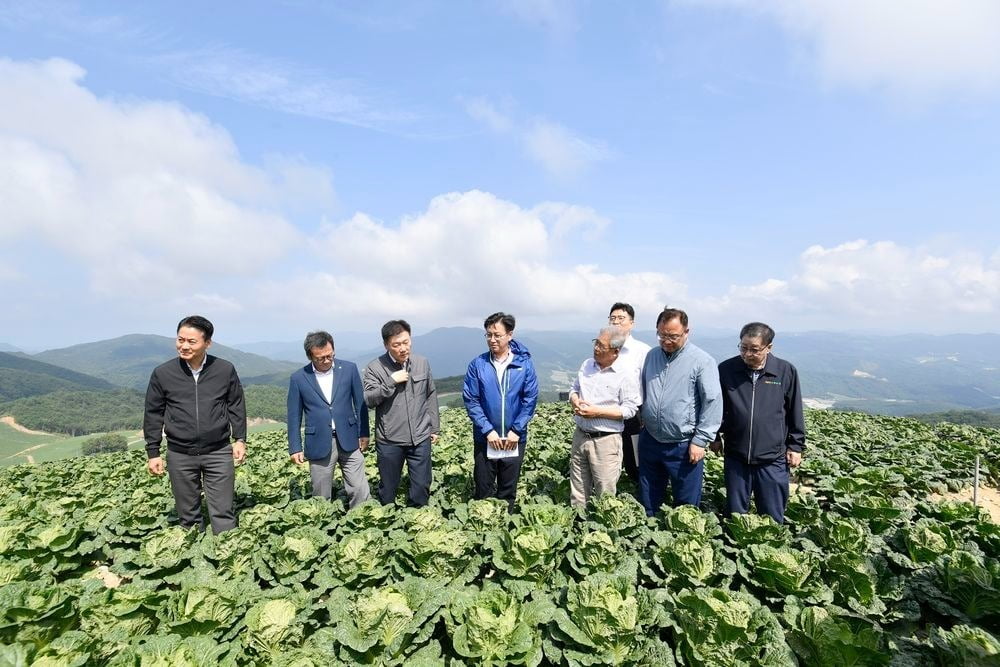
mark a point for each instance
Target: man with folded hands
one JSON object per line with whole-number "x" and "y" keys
{"x": 604, "y": 395}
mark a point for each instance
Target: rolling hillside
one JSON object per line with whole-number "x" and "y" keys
{"x": 22, "y": 376}
{"x": 128, "y": 360}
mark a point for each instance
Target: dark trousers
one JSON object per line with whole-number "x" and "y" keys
{"x": 496, "y": 478}
{"x": 632, "y": 427}
{"x": 213, "y": 473}
{"x": 390, "y": 468}
{"x": 767, "y": 481}
{"x": 662, "y": 462}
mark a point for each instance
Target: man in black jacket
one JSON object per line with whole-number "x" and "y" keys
{"x": 763, "y": 430}
{"x": 197, "y": 400}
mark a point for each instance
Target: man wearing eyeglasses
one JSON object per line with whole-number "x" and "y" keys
{"x": 500, "y": 393}
{"x": 604, "y": 395}
{"x": 632, "y": 355}
{"x": 681, "y": 412}
{"x": 328, "y": 392}
{"x": 763, "y": 429}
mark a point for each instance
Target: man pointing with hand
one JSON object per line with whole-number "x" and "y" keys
{"x": 399, "y": 386}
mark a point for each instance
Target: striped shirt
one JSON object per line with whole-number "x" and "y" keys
{"x": 614, "y": 385}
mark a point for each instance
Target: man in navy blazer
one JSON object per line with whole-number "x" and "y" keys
{"x": 330, "y": 395}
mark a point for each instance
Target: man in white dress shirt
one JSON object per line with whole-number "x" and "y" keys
{"x": 632, "y": 355}
{"x": 327, "y": 392}
{"x": 605, "y": 394}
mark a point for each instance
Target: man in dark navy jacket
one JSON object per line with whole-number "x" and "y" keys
{"x": 328, "y": 392}
{"x": 763, "y": 430}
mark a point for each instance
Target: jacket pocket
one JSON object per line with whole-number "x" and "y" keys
{"x": 310, "y": 430}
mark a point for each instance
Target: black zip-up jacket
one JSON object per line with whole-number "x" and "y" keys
{"x": 761, "y": 421}
{"x": 198, "y": 417}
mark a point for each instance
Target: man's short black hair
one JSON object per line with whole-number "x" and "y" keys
{"x": 197, "y": 322}
{"x": 316, "y": 339}
{"x": 506, "y": 319}
{"x": 623, "y": 306}
{"x": 672, "y": 314}
{"x": 758, "y": 330}
{"x": 394, "y": 328}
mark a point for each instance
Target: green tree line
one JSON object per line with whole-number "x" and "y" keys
{"x": 84, "y": 412}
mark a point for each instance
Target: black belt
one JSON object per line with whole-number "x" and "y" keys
{"x": 596, "y": 434}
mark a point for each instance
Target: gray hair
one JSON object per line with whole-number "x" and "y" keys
{"x": 617, "y": 336}
{"x": 316, "y": 339}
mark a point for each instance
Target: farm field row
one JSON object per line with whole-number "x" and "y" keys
{"x": 867, "y": 571}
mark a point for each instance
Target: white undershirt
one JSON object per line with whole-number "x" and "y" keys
{"x": 325, "y": 381}
{"x": 196, "y": 372}
{"x": 501, "y": 364}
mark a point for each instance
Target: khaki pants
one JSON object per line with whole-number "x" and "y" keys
{"x": 595, "y": 464}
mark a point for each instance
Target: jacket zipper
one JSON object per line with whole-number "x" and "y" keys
{"x": 753, "y": 396}
{"x": 504, "y": 385}
{"x": 197, "y": 410}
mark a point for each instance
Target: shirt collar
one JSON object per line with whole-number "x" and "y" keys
{"x": 322, "y": 373}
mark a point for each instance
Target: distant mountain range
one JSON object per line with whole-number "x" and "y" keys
{"x": 127, "y": 361}
{"x": 884, "y": 374}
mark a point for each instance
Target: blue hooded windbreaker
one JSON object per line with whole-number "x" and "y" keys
{"x": 501, "y": 406}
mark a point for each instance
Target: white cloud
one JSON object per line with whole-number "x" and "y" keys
{"x": 567, "y": 219}
{"x": 876, "y": 285}
{"x": 914, "y": 48}
{"x": 143, "y": 195}
{"x": 283, "y": 86}
{"x": 485, "y": 112}
{"x": 467, "y": 254}
{"x": 559, "y": 150}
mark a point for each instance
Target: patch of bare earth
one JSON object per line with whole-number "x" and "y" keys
{"x": 107, "y": 577}
{"x": 9, "y": 421}
{"x": 257, "y": 421}
{"x": 989, "y": 499}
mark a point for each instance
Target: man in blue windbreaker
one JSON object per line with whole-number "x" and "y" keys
{"x": 500, "y": 394}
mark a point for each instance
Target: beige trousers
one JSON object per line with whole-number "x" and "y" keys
{"x": 595, "y": 463}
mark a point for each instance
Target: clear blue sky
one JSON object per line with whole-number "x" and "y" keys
{"x": 285, "y": 166}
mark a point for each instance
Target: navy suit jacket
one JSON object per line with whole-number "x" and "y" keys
{"x": 348, "y": 411}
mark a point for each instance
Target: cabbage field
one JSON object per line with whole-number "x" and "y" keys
{"x": 874, "y": 567}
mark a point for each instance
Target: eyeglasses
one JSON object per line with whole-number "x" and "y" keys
{"x": 600, "y": 347}
{"x": 496, "y": 336}
{"x": 615, "y": 319}
{"x": 325, "y": 359}
{"x": 673, "y": 338}
{"x": 753, "y": 351}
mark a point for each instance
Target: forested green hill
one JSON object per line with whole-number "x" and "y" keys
{"x": 21, "y": 377}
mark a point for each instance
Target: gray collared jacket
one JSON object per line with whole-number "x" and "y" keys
{"x": 407, "y": 413}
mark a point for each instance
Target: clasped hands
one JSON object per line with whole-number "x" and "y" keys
{"x": 494, "y": 440}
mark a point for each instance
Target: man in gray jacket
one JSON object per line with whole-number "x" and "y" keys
{"x": 681, "y": 414}
{"x": 399, "y": 386}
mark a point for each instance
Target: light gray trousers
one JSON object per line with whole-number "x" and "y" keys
{"x": 352, "y": 467}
